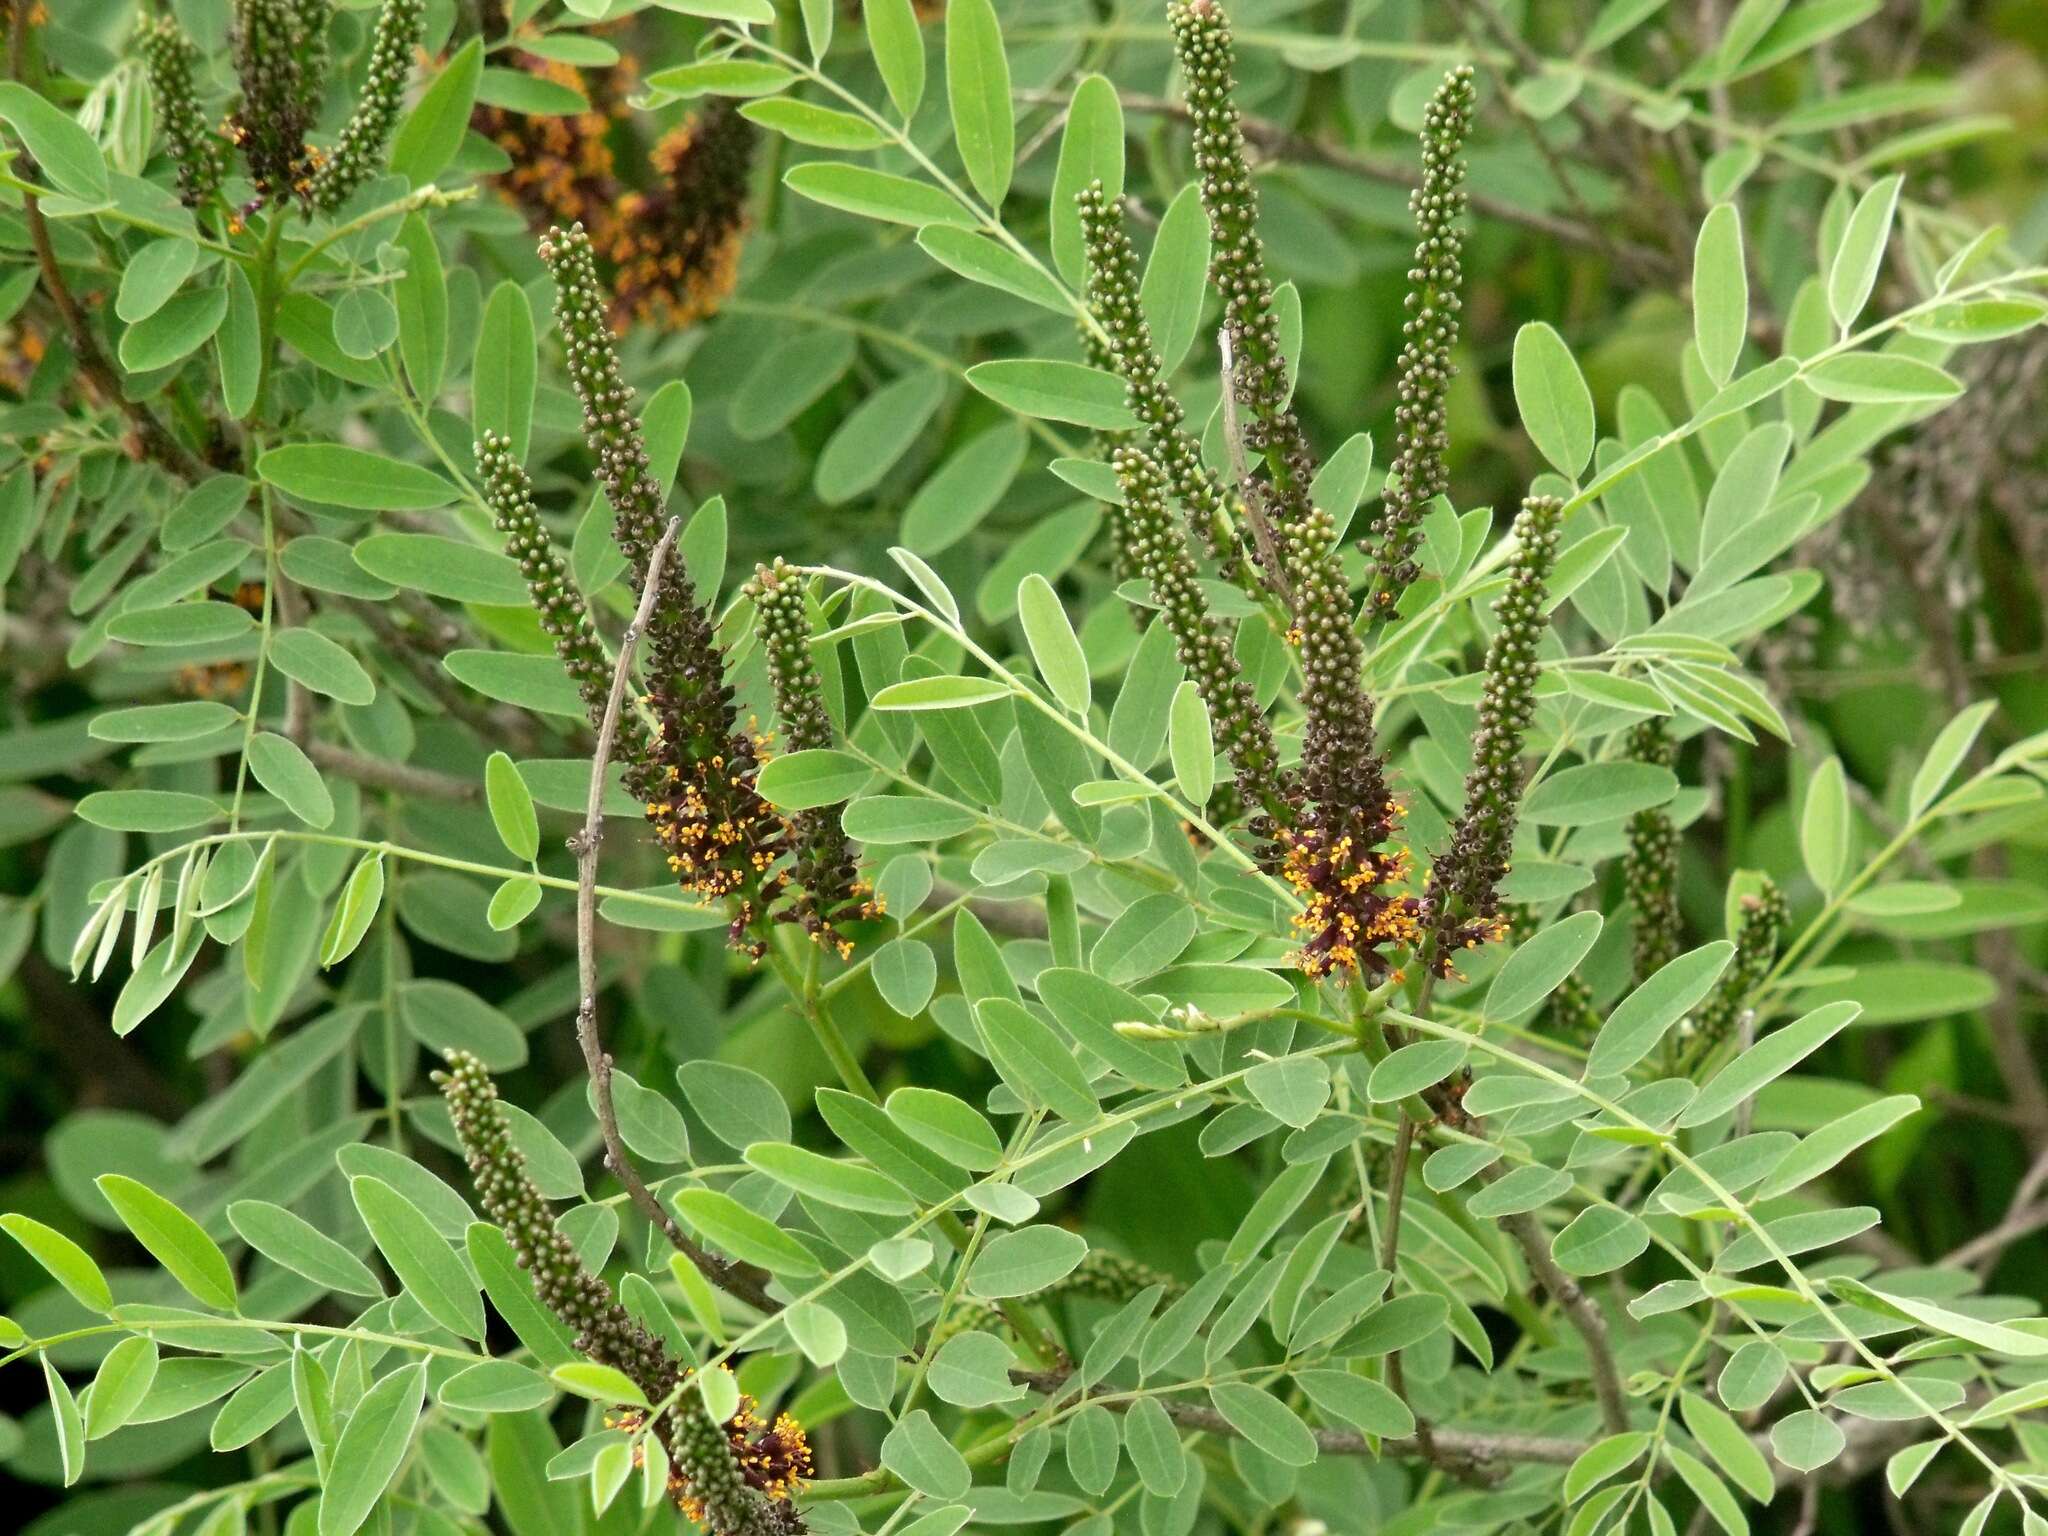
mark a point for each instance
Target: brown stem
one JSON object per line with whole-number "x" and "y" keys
{"x": 738, "y": 1280}
{"x": 1581, "y": 1311}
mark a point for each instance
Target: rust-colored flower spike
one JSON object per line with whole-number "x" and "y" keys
{"x": 721, "y": 838}
{"x": 736, "y": 1478}
{"x": 1765, "y": 913}
{"x": 359, "y": 153}
{"x": 1151, "y": 538}
{"x": 563, "y": 614}
{"x": 1650, "y": 869}
{"x": 1464, "y": 885}
{"x": 1417, "y": 476}
{"x": 562, "y": 170}
{"x": 1237, "y": 265}
{"x": 170, "y": 57}
{"x": 677, "y": 246}
{"x": 1113, "y": 284}
{"x": 281, "y": 61}
{"x": 824, "y": 878}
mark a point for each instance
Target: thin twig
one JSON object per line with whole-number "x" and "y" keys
{"x": 381, "y": 774}
{"x": 1581, "y": 1311}
{"x": 735, "y": 1279}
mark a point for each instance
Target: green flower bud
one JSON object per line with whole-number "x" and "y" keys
{"x": 359, "y": 154}
{"x": 1650, "y": 869}
{"x": 1417, "y": 476}
{"x": 1464, "y": 888}
{"x": 170, "y": 57}
{"x": 1764, "y": 917}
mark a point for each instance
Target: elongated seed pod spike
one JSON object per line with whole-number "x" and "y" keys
{"x": 358, "y": 155}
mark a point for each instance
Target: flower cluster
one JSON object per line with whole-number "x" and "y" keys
{"x": 170, "y": 56}
{"x": 677, "y": 246}
{"x": 1272, "y": 432}
{"x": 1159, "y": 554}
{"x": 1417, "y": 476}
{"x": 359, "y": 153}
{"x": 1764, "y": 916}
{"x": 604, "y": 1330}
{"x": 735, "y": 1479}
{"x": 823, "y": 877}
{"x": 563, "y": 613}
{"x": 1113, "y": 300}
{"x": 1464, "y": 887}
{"x": 281, "y": 61}
{"x": 721, "y": 838}
{"x": 1650, "y": 869}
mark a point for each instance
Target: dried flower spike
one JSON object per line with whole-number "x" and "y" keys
{"x": 359, "y": 153}
{"x": 1650, "y": 869}
{"x": 281, "y": 60}
{"x": 824, "y": 878}
{"x": 1417, "y": 476}
{"x": 1464, "y": 889}
{"x": 170, "y": 58}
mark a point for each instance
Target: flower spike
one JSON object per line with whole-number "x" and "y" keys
{"x": 1765, "y": 913}
{"x": 359, "y": 154}
{"x": 1650, "y": 870}
{"x": 281, "y": 59}
{"x": 677, "y": 248}
{"x": 1464, "y": 891}
{"x": 1417, "y": 476}
{"x": 170, "y": 58}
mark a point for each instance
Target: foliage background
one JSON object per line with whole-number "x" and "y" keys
{"x": 1931, "y": 600}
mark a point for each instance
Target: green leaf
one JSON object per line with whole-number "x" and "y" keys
{"x": 238, "y": 347}
{"x": 1538, "y": 967}
{"x": 1190, "y": 745}
{"x": 1724, "y": 1440}
{"x": 1155, "y": 1447}
{"x": 918, "y": 1453}
{"x": 1056, "y": 391}
{"x": 850, "y": 1186}
{"x": 1823, "y": 1149}
{"x": 65, "y": 152}
{"x": 1091, "y": 150}
{"x": 881, "y": 195}
{"x": 1751, "y": 1375}
{"x": 332, "y": 475}
{"x": 1034, "y": 1061}
{"x": 152, "y": 275}
{"x": 753, "y": 1239}
{"x": 1770, "y": 1058}
{"x": 65, "y": 1262}
{"x": 175, "y": 331}
{"x": 147, "y": 810}
{"x": 309, "y": 657}
{"x": 1946, "y": 755}
{"x": 978, "y": 92}
{"x": 432, "y": 132}
{"x": 1265, "y": 1421}
{"x": 1825, "y": 828}
{"x": 70, "y": 1426}
{"x": 1599, "y": 1239}
{"x": 1861, "y": 254}
{"x": 443, "y": 567}
{"x": 951, "y": 1127}
{"x": 360, "y": 899}
{"x": 720, "y": 77}
{"x": 980, "y": 259}
{"x": 119, "y": 1386}
{"x": 599, "y": 1383}
{"x": 1024, "y": 1262}
{"x": 162, "y": 722}
{"x": 1995, "y": 1338}
{"x": 496, "y": 1386}
{"x": 1176, "y": 278}
{"x": 282, "y": 768}
{"x": 174, "y": 1239}
{"x": 372, "y": 1447}
{"x": 805, "y": 122}
{"x": 1642, "y": 1018}
{"x": 1414, "y": 1067}
{"x": 301, "y": 1247}
{"x": 197, "y": 623}
{"x": 1551, "y": 394}
{"x": 1596, "y": 792}
{"x": 511, "y": 804}
{"x": 420, "y": 1256}
{"x": 966, "y": 488}
{"x": 1366, "y": 1405}
{"x": 504, "y": 376}
{"x": 1054, "y": 648}
{"x": 939, "y": 693}
{"x": 816, "y": 776}
{"x": 906, "y": 972}
{"x": 1807, "y": 1440}
{"x": 878, "y": 432}
{"x": 897, "y": 42}
{"x": 1720, "y": 292}
{"x": 1880, "y": 378}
